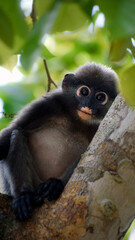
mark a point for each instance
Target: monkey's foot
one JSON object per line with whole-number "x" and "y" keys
{"x": 23, "y": 205}
{"x": 51, "y": 189}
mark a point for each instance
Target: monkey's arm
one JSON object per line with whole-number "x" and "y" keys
{"x": 18, "y": 171}
{"x": 21, "y": 175}
{"x": 5, "y": 142}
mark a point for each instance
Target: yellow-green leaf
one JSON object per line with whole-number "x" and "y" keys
{"x": 118, "y": 49}
{"x": 127, "y": 80}
{"x": 70, "y": 17}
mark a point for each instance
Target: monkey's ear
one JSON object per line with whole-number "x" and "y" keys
{"x": 68, "y": 80}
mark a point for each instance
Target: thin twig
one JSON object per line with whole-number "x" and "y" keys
{"x": 33, "y": 13}
{"x": 10, "y": 115}
{"x": 50, "y": 81}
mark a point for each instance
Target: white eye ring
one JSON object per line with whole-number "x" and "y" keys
{"x": 86, "y": 91}
{"x": 101, "y": 97}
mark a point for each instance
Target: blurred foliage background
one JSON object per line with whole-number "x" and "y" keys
{"x": 67, "y": 34}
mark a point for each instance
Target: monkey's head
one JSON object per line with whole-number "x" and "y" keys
{"x": 92, "y": 88}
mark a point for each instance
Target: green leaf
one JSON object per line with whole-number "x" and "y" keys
{"x": 127, "y": 80}
{"x": 15, "y": 96}
{"x": 33, "y": 46}
{"x": 118, "y": 49}
{"x": 4, "y": 122}
{"x": 10, "y": 63}
{"x": 87, "y": 6}
{"x": 70, "y": 17}
{"x": 43, "y": 6}
{"x": 60, "y": 16}
{"x": 120, "y": 17}
{"x": 13, "y": 28}
{"x": 5, "y": 52}
{"x": 46, "y": 54}
{"x": 12, "y": 9}
{"x": 6, "y": 29}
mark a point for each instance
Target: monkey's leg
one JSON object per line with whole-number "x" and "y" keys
{"x": 19, "y": 174}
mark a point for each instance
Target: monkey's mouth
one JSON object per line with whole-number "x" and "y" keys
{"x": 85, "y": 113}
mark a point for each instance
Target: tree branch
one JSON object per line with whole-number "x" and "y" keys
{"x": 50, "y": 81}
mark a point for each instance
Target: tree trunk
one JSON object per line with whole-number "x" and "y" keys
{"x": 98, "y": 202}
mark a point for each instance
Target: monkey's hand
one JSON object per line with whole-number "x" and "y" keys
{"x": 24, "y": 204}
{"x": 51, "y": 189}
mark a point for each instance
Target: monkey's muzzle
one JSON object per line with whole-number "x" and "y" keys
{"x": 85, "y": 113}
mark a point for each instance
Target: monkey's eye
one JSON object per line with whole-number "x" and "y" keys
{"x": 83, "y": 91}
{"x": 101, "y": 97}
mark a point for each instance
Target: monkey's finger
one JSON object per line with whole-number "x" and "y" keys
{"x": 38, "y": 200}
{"x": 22, "y": 213}
{"x": 49, "y": 188}
{"x": 26, "y": 205}
{"x": 17, "y": 209}
{"x": 19, "y": 214}
{"x": 23, "y": 205}
{"x": 54, "y": 190}
{"x": 55, "y": 194}
{"x": 29, "y": 201}
{"x": 42, "y": 187}
{"x": 46, "y": 189}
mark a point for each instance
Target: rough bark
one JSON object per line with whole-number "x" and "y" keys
{"x": 99, "y": 200}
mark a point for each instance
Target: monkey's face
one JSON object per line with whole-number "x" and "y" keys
{"x": 91, "y": 98}
{"x": 91, "y": 104}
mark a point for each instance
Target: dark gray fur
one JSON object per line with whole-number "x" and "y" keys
{"x": 47, "y": 137}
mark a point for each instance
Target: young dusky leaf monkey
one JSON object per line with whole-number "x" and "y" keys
{"x": 43, "y": 144}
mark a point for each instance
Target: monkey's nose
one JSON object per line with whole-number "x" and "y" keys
{"x": 86, "y": 110}
{"x": 85, "y": 113}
